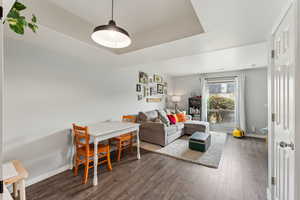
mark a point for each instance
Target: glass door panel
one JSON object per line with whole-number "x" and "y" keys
{"x": 221, "y": 105}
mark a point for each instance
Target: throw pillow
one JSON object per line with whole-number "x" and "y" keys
{"x": 181, "y": 117}
{"x": 163, "y": 117}
{"x": 142, "y": 117}
{"x": 176, "y": 118}
{"x": 172, "y": 119}
{"x": 168, "y": 112}
{"x": 177, "y": 111}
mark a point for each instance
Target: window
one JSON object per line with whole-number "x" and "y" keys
{"x": 221, "y": 104}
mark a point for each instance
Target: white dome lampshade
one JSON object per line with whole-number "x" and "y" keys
{"x": 175, "y": 99}
{"x": 111, "y": 36}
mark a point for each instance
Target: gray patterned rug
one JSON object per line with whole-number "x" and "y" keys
{"x": 179, "y": 149}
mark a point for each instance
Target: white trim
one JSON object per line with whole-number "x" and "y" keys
{"x": 47, "y": 175}
{"x": 1, "y": 101}
{"x": 7, "y": 5}
{"x": 269, "y": 196}
{"x": 270, "y": 123}
{"x": 281, "y": 16}
{"x": 256, "y": 135}
{"x": 270, "y": 188}
{"x": 297, "y": 95}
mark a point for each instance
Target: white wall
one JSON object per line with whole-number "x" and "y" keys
{"x": 46, "y": 92}
{"x": 256, "y": 97}
{"x": 235, "y": 58}
{"x": 185, "y": 87}
{"x": 7, "y": 4}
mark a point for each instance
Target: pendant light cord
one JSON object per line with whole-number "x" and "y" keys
{"x": 112, "y": 9}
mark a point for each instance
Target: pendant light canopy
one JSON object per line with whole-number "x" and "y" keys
{"x": 111, "y": 35}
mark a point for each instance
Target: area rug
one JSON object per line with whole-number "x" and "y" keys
{"x": 179, "y": 149}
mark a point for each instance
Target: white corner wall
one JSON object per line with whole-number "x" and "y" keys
{"x": 46, "y": 92}
{"x": 256, "y": 94}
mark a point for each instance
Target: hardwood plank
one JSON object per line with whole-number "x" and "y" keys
{"x": 242, "y": 175}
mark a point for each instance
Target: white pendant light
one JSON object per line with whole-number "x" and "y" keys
{"x": 111, "y": 35}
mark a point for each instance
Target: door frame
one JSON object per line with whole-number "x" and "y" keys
{"x": 1, "y": 99}
{"x": 294, "y": 4}
{"x": 5, "y": 6}
{"x": 297, "y": 106}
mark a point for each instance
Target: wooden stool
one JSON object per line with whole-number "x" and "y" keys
{"x": 18, "y": 181}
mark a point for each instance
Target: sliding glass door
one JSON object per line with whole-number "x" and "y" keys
{"x": 221, "y": 104}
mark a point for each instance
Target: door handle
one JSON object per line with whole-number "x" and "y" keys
{"x": 285, "y": 145}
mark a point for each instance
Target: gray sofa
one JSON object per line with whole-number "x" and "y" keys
{"x": 156, "y": 132}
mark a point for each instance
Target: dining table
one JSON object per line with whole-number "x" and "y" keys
{"x": 17, "y": 174}
{"x": 106, "y": 130}
{"x": 6, "y": 195}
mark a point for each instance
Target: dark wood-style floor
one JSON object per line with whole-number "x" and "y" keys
{"x": 242, "y": 175}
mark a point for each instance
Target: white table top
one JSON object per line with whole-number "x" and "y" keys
{"x": 9, "y": 170}
{"x": 6, "y": 195}
{"x": 103, "y": 128}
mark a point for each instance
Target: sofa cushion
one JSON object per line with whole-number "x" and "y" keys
{"x": 168, "y": 111}
{"x": 192, "y": 126}
{"x": 175, "y": 128}
{"x": 191, "y": 122}
{"x": 176, "y": 118}
{"x": 180, "y": 126}
{"x": 163, "y": 117}
{"x": 181, "y": 117}
{"x": 170, "y": 130}
{"x": 148, "y": 116}
{"x": 152, "y": 115}
{"x": 172, "y": 119}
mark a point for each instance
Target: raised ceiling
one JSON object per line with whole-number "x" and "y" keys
{"x": 149, "y": 23}
{"x": 227, "y": 24}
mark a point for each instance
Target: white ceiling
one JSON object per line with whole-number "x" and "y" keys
{"x": 227, "y": 24}
{"x": 134, "y": 15}
{"x": 149, "y": 23}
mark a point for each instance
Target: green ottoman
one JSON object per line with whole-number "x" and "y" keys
{"x": 200, "y": 141}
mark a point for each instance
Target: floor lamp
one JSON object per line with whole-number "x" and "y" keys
{"x": 175, "y": 100}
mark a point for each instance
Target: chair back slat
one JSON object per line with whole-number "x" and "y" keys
{"x": 81, "y": 137}
{"x": 129, "y": 118}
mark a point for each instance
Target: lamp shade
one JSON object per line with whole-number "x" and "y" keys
{"x": 175, "y": 98}
{"x": 111, "y": 36}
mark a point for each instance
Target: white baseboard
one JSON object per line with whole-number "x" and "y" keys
{"x": 269, "y": 196}
{"x": 259, "y": 136}
{"x": 42, "y": 177}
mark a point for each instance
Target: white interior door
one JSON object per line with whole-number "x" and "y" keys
{"x": 284, "y": 105}
{"x": 1, "y": 103}
{"x": 5, "y": 8}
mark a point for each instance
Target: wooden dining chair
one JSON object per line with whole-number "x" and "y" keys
{"x": 85, "y": 151}
{"x": 124, "y": 141}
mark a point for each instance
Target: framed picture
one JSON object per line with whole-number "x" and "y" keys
{"x": 151, "y": 79}
{"x": 160, "y": 89}
{"x": 153, "y": 91}
{"x": 153, "y": 100}
{"x": 139, "y": 97}
{"x": 157, "y": 78}
{"x": 143, "y": 77}
{"x": 144, "y": 91}
{"x": 138, "y": 87}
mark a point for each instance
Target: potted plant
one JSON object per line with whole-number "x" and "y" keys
{"x": 18, "y": 22}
